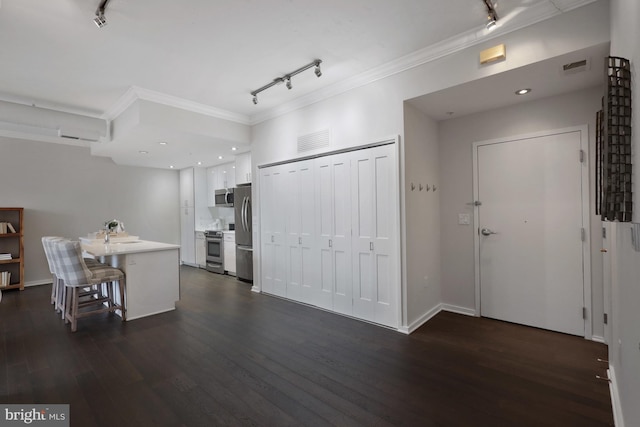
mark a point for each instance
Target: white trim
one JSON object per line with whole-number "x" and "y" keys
{"x": 586, "y": 251}
{"x": 618, "y": 419}
{"x": 256, "y": 290}
{"x": 597, "y": 338}
{"x": 135, "y": 93}
{"x": 459, "y": 310}
{"x": 37, "y": 283}
{"x": 517, "y": 21}
{"x": 421, "y": 320}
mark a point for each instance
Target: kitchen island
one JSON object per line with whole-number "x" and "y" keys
{"x": 152, "y": 272}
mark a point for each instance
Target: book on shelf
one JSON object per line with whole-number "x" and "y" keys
{"x": 5, "y": 278}
{"x": 5, "y": 257}
{"x": 6, "y": 227}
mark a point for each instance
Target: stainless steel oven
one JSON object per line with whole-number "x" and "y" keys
{"x": 215, "y": 251}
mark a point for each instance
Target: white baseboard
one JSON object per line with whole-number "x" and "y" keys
{"x": 37, "y": 283}
{"x": 597, "y": 338}
{"x": 618, "y": 420}
{"x": 460, "y": 310}
{"x": 421, "y": 320}
{"x": 256, "y": 290}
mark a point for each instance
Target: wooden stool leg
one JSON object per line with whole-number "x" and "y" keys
{"x": 123, "y": 307}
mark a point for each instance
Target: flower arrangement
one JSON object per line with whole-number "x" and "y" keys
{"x": 113, "y": 225}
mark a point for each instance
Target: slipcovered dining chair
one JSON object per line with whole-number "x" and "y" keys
{"x": 77, "y": 276}
{"x": 57, "y": 286}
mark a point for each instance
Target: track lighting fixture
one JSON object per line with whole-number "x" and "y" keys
{"x": 492, "y": 15}
{"x": 286, "y": 79}
{"x": 100, "y": 20}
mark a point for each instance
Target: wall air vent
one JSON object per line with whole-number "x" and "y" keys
{"x": 314, "y": 141}
{"x": 576, "y": 67}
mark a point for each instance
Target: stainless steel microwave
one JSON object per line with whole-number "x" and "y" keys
{"x": 224, "y": 197}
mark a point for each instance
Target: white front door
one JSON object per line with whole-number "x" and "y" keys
{"x": 530, "y": 226}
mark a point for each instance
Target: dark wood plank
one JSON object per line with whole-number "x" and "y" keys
{"x": 228, "y": 356}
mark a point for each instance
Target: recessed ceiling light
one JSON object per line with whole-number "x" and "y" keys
{"x": 143, "y": 152}
{"x": 171, "y": 167}
{"x": 233, "y": 148}
{"x": 219, "y": 157}
{"x": 523, "y": 91}
{"x": 199, "y": 163}
{"x": 162, "y": 143}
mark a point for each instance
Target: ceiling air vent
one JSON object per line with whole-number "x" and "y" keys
{"x": 576, "y": 67}
{"x": 313, "y": 141}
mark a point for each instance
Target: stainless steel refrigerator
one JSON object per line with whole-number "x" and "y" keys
{"x": 244, "y": 231}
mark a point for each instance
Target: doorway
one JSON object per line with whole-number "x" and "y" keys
{"x": 531, "y": 221}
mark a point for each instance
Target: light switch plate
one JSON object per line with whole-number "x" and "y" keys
{"x": 464, "y": 219}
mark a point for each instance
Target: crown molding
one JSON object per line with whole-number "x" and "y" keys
{"x": 135, "y": 93}
{"x": 527, "y": 17}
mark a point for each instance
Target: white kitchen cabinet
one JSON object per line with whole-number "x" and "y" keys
{"x": 272, "y": 231}
{"x": 187, "y": 195}
{"x": 201, "y": 249}
{"x": 230, "y": 252}
{"x": 219, "y": 178}
{"x": 193, "y": 196}
{"x": 228, "y": 175}
{"x": 329, "y": 233}
{"x": 243, "y": 168}
{"x": 187, "y": 217}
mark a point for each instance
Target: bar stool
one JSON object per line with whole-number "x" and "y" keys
{"x": 76, "y": 276}
{"x": 57, "y": 285}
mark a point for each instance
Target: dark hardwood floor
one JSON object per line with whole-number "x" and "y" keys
{"x": 228, "y": 356}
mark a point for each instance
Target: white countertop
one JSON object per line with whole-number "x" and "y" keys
{"x": 123, "y": 248}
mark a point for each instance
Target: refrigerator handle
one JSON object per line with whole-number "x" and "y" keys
{"x": 248, "y": 214}
{"x": 244, "y": 214}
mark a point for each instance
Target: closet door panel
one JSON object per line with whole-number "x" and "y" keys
{"x": 308, "y": 238}
{"x": 324, "y": 227}
{"x": 291, "y": 212}
{"x": 341, "y": 239}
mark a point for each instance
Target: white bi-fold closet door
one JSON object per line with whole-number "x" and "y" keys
{"x": 330, "y": 235}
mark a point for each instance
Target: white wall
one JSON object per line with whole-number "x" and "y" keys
{"x": 422, "y": 222}
{"x": 456, "y": 139}
{"x": 67, "y": 192}
{"x": 375, "y": 111}
{"x": 624, "y": 354}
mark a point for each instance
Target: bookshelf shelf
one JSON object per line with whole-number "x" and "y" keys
{"x": 12, "y": 243}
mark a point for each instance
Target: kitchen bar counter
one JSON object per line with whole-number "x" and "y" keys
{"x": 152, "y": 272}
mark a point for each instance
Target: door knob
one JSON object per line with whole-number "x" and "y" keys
{"x": 487, "y": 232}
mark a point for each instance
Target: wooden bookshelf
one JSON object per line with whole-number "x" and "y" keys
{"x": 13, "y": 243}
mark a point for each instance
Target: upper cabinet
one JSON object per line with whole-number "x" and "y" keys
{"x": 243, "y": 168}
{"x": 219, "y": 178}
{"x": 187, "y": 196}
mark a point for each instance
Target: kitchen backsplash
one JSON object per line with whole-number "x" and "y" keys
{"x": 206, "y": 218}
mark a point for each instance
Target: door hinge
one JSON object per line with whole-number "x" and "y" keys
{"x": 583, "y": 234}
{"x": 604, "y": 233}
{"x": 584, "y": 312}
{"x": 606, "y": 319}
{"x": 582, "y": 156}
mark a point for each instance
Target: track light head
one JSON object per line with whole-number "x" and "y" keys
{"x": 288, "y": 82}
{"x": 100, "y": 20}
{"x": 492, "y": 15}
{"x": 318, "y": 71}
{"x": 255, "y": 100}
